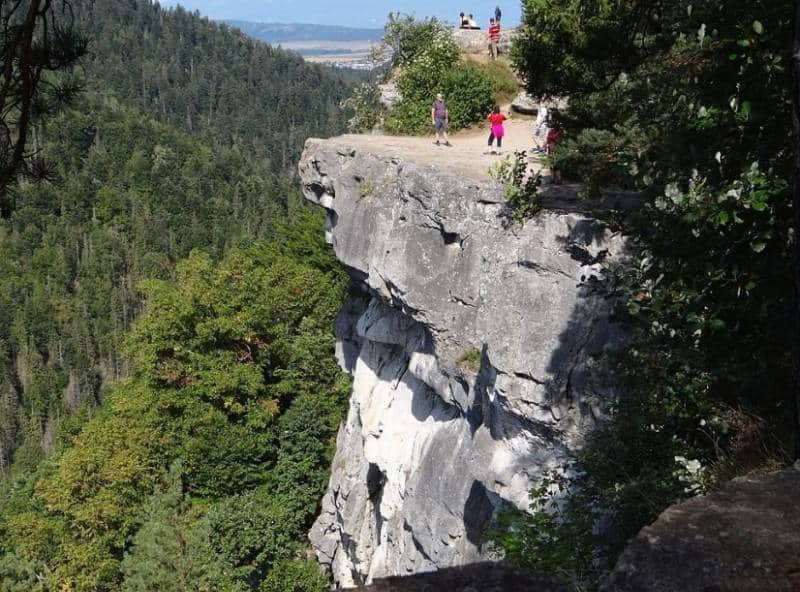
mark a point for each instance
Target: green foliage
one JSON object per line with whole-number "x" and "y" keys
{"x": 469, "y": 92}
{"x": 295, "y": 576}
{"x": 236, "y": 378}
{"x": 365, "y": 106}
{"x": 38, "y": 40}
{"x": 556, "y": 536}
{"x": 203, "y": 77}
{"x": 470, "y": 360}
{"x": 131, "y": 196}
{"x": 505, "y": 85}
{"x": 687, "y": 104}
{"x": 172, "y": 551}
{"x": 428, "y": 59}
{"x": 230, "y": 370}
{"x": 521, "y": 187}
{"x": 72, "y": 255}
{"x": 253, "y": 530}
{"x": 405, "y": 39}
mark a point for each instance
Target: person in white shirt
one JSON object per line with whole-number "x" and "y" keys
{"x": 540, "y": 130}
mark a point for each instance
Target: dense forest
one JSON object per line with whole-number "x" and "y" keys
{"x": 146, "y": 269}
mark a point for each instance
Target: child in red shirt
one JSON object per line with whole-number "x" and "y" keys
{"x": 497, "y": 130}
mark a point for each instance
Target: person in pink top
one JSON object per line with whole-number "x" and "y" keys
{"x": 497, "y": 131}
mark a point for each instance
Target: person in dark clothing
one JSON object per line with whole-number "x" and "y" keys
{"x": 497, "y": 14}
{"x": 440, "y": 118}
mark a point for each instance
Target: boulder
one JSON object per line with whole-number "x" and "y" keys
{"x": 389, "y": 95}
{"x": 744, "y": 538}
{"x": 525, "y": 104}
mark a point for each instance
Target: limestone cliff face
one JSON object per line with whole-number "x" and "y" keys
{"x": 475, "y": 351}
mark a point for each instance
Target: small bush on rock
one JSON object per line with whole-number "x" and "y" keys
{"x": 429, "y": 62}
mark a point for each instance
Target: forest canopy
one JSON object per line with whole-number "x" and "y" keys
{"x": 168, "y": 389}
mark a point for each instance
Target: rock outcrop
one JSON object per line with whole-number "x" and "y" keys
{"x": 744, "y": 538}
{"x": 478, "y": 577}
{"x": 525, "y": 104}
{"x": 476, "y": 350}
{"x": 476, "y": 41}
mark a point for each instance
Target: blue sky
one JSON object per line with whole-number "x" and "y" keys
{"x": 356, "y": 13}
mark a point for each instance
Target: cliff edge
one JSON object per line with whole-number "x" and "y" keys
{"x": 476, "y": 350}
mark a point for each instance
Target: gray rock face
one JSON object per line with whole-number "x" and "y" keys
{"x": 478, "y": 577}
{"x": 525, "y": 104}
{"x": 390, "y": 95}
{"x": 745, "y": 537}
{"x": 475, "y": 350}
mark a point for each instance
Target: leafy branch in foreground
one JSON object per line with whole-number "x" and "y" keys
{"x": 37, "y": 39}
{"x": 521, "y": 188}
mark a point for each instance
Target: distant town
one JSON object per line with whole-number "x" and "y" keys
{"x": 340, "y": 47}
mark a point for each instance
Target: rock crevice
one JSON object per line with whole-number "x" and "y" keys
{"x": 476, "y": 355}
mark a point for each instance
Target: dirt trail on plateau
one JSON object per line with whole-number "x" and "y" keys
{"x": 465, "y": 156}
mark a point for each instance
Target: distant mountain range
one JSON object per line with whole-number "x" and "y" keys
{"x": 294, "y": 32}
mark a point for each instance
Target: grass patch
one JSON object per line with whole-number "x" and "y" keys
{"x": 470, "y": 360}
{"x": 366, "y": 189}
{"x": 504, "y": 82}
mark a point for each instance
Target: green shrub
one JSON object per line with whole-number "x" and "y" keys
{"x": 405, "y": 38}
{"x": 505, "y": 85}
{"x": 469, "y": 94}
{"x": 520, "y": 188}
{"x": 470, "y": 360}
{"x": 364, "y": 105}
{"x": 556, "y": 537}
{"x": 467, "y": 91}
{"x": 295, "y": 576}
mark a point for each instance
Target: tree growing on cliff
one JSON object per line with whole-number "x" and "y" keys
{"x": 687, "y": 104}
{"x": 37, "y": 39}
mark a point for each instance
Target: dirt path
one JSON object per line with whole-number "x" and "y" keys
{"x": 466, "y": 155}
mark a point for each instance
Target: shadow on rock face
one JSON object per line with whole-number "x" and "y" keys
{"x": 478, "y": 577}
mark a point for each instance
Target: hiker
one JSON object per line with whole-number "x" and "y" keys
{"x": 494, "y": 37}
{"x": 440, "y": 116}
{"x": 471, "y": 22}
{"x": 497, "y": 13}
{"x": 496, "y": 130}
{"x": 463, "y": 21}
{"x": 540, "y": 130}
{"x": 554, "y": 137}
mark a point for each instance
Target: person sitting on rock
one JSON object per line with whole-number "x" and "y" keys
{"x": 463, "y": 21}
{"x": 472, "y": 23}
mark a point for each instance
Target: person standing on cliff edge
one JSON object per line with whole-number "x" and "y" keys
{"x": 494, "y": 37}
{"x": 440, "y": 117}
{"x": 497, "y": 14}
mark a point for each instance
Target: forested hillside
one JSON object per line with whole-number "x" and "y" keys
{"x": 210, "y": 422}
{"x": 210, "y": 79}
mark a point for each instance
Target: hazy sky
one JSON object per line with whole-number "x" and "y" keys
{"x": 356, "y": 13}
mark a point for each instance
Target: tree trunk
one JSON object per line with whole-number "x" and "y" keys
{"x": 796, "y": 205}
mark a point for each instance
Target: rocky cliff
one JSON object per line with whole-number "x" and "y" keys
{"x": 475, "y": 347}
{"x": 743, "y": 538}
